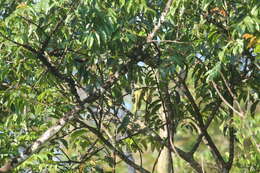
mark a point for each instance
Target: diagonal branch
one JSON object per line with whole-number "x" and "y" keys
{"x": 56, "y": 28}
{"x": 90, "y": 98}
{"x": 161, "y": 20}
{"x": 169, "y": 41}
{"x": 109, "y": 145}
{"x": 188, "y": 157}
{"x": 37, "y": 145}
{"x": 203, "y": 129}
{"x": 225, "y": 101}
{"x": 199, "y": 138}
{"x": 51, "y": 68}
{"x": 231, "y": 93}
{"x": 27, "y": 47}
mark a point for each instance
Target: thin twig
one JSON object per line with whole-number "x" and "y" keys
{"x": 157, "y": 158}
{"x": 225, "y": 101}
{"x": 32, "y": 22}
{"x": 231, "y": 93}
{"x": 169, "y": 41}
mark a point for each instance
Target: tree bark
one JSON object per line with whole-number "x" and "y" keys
{"x": 165, "y": 164}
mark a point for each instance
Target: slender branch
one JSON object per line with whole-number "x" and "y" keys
{"x": 51, "y": 68}
{"x": 231, "y": 93}
{"x": 169, "y": 41}
{"x": 231, "y": 99}
{"x": 56, "y": 28}
{"x": 225, "y": 101}
{"x": 190, "y": 159}
{"x": 109, "y": 145}
{"x": 161, "y": 20}
{"x": 157, "y": 158}
{"x": 32, "y": 22}
{"x": 27, "y": 47}
{"x": 231, "y": 146}
{"x": 88, "y": 156}
{"x": 211, "y": 20}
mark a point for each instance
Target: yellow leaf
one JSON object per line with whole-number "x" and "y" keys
{"x": 216, "y": 9}
{"x": 247, "y": 36}
{"x": 219, "y": 11}
{"x": 223, "y": 13}
{"x": 21, "y": 5}
{"x": 137, "y": 97}
{"x": 252, "y": 42}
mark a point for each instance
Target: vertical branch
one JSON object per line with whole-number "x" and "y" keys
{"x": 114, "y": 162}
{"x": 231, "y": 143}
{"x": 232, "y": 98}
{"x": 168, "y": 114}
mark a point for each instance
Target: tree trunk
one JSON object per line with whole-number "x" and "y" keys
{"x": 165, "y": 164}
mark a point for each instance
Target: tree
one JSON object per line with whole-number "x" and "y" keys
{"x": 86, "y": 83}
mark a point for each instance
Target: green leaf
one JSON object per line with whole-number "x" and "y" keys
{"x": 78, "y": 133}
{"x": 255, "y": 11}
{"x": 122, "y": 3}
{"x": 214, "y": 72}
{"x": 155, "y": 109}
{"x": 124, "y": 123}
{"x": 65, "y": 143}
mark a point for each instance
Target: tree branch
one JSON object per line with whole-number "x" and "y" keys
{"x": 47, "y": 135}
{"x": 231, "y": 99}
{"x": 184, "y": 155}
{"x": 231, "y": 93}
{"x": 51, "y": 68}
{"x": 27, "y": 47}
{"x": 91, "y": 97}
{"x": 109, "y": 145}
{"x": 169, "y": 41}
{"x": 199, "y": 138}
{"x": 198, "y": 116}
{"x": 161, "y": 20}
{"x": 225, "y": 101}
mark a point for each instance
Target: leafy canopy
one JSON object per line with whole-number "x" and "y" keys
{"x": 84, "y": 82}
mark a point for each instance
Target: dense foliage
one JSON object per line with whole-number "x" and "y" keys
{"x": 87, "y": 85}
